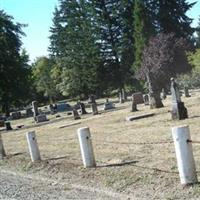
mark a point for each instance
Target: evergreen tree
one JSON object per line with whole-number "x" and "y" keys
{"x": 143, "y": 29}
{"x": 74, "y": 43}
{"x": 14, "y": 71}
{"x": 198, "y": 35}
{"x": 115, "y": 38}
{"x": 171, "y": 17}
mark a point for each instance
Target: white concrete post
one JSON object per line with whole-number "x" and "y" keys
{"x": 184, "y": 155}
{"x": 86, "y": 147}
{"x": 2, "y": 150}
{"x": 33, "y": 146}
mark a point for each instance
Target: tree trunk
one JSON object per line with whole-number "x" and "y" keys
{"x": 154, "y": 95}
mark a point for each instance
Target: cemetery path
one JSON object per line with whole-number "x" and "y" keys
{"x": 15, "y": 186}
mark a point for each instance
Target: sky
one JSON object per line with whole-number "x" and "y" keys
{"x": 38, "y": 14}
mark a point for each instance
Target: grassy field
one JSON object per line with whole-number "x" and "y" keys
{"x": 143, "y": 171}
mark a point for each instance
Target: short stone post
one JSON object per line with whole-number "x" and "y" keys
{"x": 121, "y": 100}
{"x": 35, "y": 109}
{"x": 124, "y": 96}
{"x": 2, "y": 150}
{"x": 94, "y": 109}
{"x": 134, "y": 105}
{"x": 86, "y": 147}
{"x": 186, "y": 92}
{"x": 184, "y": 155}
{"x": 33, "y": 146}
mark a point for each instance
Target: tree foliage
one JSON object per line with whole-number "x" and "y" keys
{"x": 192, "y": 79}
{"x": 163, "y": 57}
{"x": 14, "y": 70}
{"x": 43, "y": 73}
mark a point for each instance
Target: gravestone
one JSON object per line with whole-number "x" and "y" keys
{"x": 179, "y": 111}
{"x": 94, "y": 109}
{"x": 134, "y": 106}
{"x": 2, "y": 123}
{"x": 75, "y": 114}
{"x": 138, "y": 98}
{"x": 146, "y": 99}
{"x": 41, "y": 118}
{"x": 2, "y": 150}
{"x": 163, "y": 94}
{"x": 8, "y": 126}
{"x": 16, "y": 115}
{"x": 186, "y": 92}
{"x": 35, "y": 109}
{"x": 121, "y": 99}
{"x": 108, "y": 105}
{"x": 82, "y": 107}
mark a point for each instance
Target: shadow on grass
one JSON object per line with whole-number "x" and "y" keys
{"x": 57, "y": 158}
{"x": 118, "y": 164}
{"x": 195, "y": 116}
{"x": 15, "y": 154}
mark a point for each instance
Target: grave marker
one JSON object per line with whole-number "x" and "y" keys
{"x": 138, "y": 98}
{"x": 94, "y": 109}
{"x": 179, "y": 111}
{"x": 75, "y": 114}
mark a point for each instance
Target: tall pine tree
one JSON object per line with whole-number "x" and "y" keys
{"x": 73, "y": 40}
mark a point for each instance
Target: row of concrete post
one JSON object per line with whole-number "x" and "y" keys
{"x": 182, "y": 142}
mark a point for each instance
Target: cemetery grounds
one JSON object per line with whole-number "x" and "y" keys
{"x": 135, "y": 160}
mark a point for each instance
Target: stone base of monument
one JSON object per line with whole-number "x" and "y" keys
{"x": 41, "y": 118}
{"x": 179, "y": 111}
{"x": 108, "y": 106}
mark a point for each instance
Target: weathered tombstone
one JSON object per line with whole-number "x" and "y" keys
{"x": 16, "y": 115}
{"x": 179, "y": 111}
{"x": 82, "y": 107}
{"x": 94, "y": 109}
{"x": 8, "y": 126}
{"x": 41, "y": 118}
{"x": 121, "y": 99}
{"x": 138, "y": 98}
{"x": 2, "y": 123}
{"x": 186, "y": 92}
{"x": 2, "y": 150}
{"x": 146, "y": 99}
{"x": 108, "y": 105}
{"x": 134, "y": 105}
{"x": 163, "y": 94}
{"x": 35, "y": 109}
{"x": 75, "y": 114}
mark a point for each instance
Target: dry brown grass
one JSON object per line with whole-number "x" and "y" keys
{"x": 151, "y": 170}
